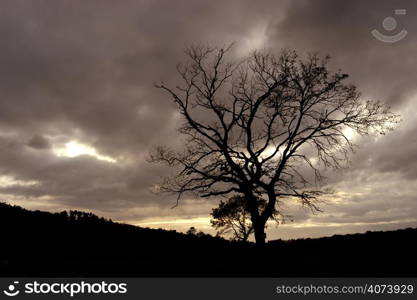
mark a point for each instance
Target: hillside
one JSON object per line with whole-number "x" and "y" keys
{"x": 36, "y": 243}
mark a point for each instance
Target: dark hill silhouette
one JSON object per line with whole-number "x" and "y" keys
{"x": 36, "y": 243}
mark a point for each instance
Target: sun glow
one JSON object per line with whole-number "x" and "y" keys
{"x": 270, "y": 151}
{"x": 74, "y": 149}
{"x": 349, "y": 133}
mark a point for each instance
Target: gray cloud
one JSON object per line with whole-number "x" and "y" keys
{"x": 343, "y": 30}
{"x": 39, "y": 142}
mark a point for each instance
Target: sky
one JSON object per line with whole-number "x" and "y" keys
{"x": 79, "y": 112}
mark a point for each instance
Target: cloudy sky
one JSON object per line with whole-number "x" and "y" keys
{"x": 79, "y": 113}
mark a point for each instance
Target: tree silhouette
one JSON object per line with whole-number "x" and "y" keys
{"x": 192, "y": 231}
{"x": 232, "y": 217}
{"x": 264, "y": 126}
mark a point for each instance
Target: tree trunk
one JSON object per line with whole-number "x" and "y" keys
{"x": 257, "y": 223}
{"x": 260, "y": 235}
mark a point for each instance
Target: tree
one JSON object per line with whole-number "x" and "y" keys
{"x": 233, "y": 217}
{"x": 191, "y": 231}
{"x": 265, "y": 126}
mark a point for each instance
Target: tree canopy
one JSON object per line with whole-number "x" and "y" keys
{"x": 232, "y": 218}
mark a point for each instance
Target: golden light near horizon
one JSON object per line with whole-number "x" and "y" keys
{"x": 205, "y": 221}
{"x": 74, "y": 149}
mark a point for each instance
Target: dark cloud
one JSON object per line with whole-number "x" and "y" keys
{"x": 342, "y": 29}
{"x": 39, "y": 142}
{"x": 84, "y": 71}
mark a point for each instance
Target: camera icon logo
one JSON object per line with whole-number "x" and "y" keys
{"x": 390, "y": 24}
{"x": 12, "y": 290}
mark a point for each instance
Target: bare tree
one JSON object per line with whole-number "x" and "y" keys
{"x": 232, "y": 217}
{"x": 260, "y": 126}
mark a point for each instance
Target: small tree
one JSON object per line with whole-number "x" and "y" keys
{"x": 233, "y": 217}
{"x": 191, "y": 231}
{"x": 260, "y": 126}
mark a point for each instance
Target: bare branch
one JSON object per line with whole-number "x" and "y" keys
{"x": 256, "y": 126}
